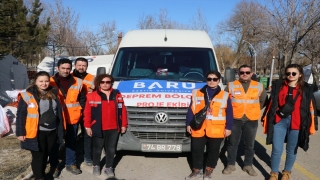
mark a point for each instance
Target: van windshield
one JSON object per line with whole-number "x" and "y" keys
{"x": 173, "y": 63}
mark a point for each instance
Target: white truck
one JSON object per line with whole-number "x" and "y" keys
{"x": 156, "y": 71}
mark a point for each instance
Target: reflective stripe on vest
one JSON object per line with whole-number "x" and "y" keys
{"x": 32, "y": 119}
{"x": 88, "y": 81}
{"x": 214, "y": 125}
{"x": 246, "y": 103}
{"x": 70, "y": 104}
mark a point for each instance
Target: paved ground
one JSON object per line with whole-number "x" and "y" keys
{"x": 142, "y": 166}
{"x": 159, "y": 166}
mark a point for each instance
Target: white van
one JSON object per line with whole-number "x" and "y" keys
{"x": 156, "y": 71}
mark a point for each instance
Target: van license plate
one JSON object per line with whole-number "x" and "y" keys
{"x": 161, "y": 147}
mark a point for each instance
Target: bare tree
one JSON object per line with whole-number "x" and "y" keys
{"x": 63, "y": 33}
{"x": 159, "y": 21}
{"x": 290, "y": 21}
{"x": 246, "y": 23}
{"x": 311, "y": 50}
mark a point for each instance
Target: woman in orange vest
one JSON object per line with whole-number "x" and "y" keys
{"x": 39, "y": 121}
{"x": 216, "y": 127}
{"x": 105, "y": 117}
{"x": 290, "y": 118}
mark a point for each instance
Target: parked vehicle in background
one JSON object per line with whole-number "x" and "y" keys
{"x": 309, "y": 79}
{"x": 156, "y": 71}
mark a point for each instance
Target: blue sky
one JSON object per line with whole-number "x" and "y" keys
{"x": 126, "y": 13}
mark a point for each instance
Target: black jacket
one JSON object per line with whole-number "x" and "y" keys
{"x": 305, "y": 115}
{"x": 32, "y": 143}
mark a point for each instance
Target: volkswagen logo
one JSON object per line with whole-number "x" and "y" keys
{"x": 161, "y": 117}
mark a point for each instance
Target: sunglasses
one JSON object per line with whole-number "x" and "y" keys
{"x": 105, "y": 82}
{"x": 291, "y": 73}
{"x": 242, "y": 72}
{"x": 213, "y": 79}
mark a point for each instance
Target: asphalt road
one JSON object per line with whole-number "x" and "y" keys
{"x": 159, "y": 166}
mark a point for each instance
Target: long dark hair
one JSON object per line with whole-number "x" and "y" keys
{"x": 49, "y": 95}
{"x": 300, "y": 82}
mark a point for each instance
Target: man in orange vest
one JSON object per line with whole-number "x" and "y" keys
{"x": 248, "y": 98}
{"x": 80, "y": 71}
{"x": 73, "y": 99}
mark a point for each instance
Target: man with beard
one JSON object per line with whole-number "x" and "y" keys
{"x": 80, "y": 71}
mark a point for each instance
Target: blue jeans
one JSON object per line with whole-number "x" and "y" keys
{"x": 71, "y": 144}
{"x": 282, "y": 130}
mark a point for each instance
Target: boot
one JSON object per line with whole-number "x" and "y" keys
{"x": 207, "y": 173}
{"x": 285, "y": 175}
{"x": 196, "y": 174}
{"x": 249, "y": 170}
{"x": 229, "y": 169}
{"x": 273, "y": 176}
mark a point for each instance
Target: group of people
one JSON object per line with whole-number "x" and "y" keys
{"x": 233, "y": 113}
{"x": 52, "y": 108}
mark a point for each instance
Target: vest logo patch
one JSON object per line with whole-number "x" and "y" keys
{"x": 31, "y": 105}
{"x": 237, "y": 93}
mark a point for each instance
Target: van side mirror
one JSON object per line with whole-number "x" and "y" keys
{"x": 229, "y": 75}
{"x": 101, "y": 70}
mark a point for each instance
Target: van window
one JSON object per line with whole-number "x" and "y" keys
{"x": 174, "y": 63}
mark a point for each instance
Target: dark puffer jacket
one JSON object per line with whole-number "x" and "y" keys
{"x": 305, "y": 114}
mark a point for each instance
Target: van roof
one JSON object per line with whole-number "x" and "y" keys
{"x": 175, "y": 38}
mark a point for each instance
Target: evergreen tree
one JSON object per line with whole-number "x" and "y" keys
{"x": 21, "y": 33}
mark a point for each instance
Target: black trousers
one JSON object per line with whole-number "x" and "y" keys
{"x": 46, "y": 139}
{"x": 197, "y": 151}
{"x": 108, "y": 141}
{"x": 248, "y": 131}
{"x": 87, "y": 142}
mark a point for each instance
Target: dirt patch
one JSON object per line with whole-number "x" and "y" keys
{"x": 13, "y": 159}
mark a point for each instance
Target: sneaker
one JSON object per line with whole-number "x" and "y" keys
{"x": 88, "y": 162}
{"x": 273, "y": 176}
{"x": 285, "y": 175}
{"x": 73, "y": 169}
{"x": 196, "y": 174}
{"x": 207, "y": 173}
{"x": 229, "y": 169}
{"x": 109, "y": 172}
{"x": 96, "y": 171}
{"x": 56, "y": 173}
{"x": 249, "y": 170}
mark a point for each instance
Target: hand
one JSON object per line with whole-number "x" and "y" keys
{"x": 262, "y": 123}
{"x": 227, "y": 132}
{"x": 123, "y": 130}
{"x": 22, "y": 138}
{"x": 189, "y": 130}
{"x": 89, "y": 132}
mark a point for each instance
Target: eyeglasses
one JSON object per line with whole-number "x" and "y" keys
{"x": 291, "y": 73}
{"x": 242, "y": 72}
{"x": 213, "y": 79}
{"x": 105, "y": 82}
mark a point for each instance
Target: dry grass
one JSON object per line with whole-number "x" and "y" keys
{"x": 13, "y": 159}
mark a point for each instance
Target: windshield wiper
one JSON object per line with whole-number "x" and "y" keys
{"x": 122, "y": 78}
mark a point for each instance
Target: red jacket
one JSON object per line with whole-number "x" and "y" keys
{"x": 101, "y": 113}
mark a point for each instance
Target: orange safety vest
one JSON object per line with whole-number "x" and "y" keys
{"x": 215, "y": 122}
{"x": 88, "y": 83}
{"x": 32, "y": 116}
{"x": 70, "y": 104}
{"x": 245, "y": 103}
